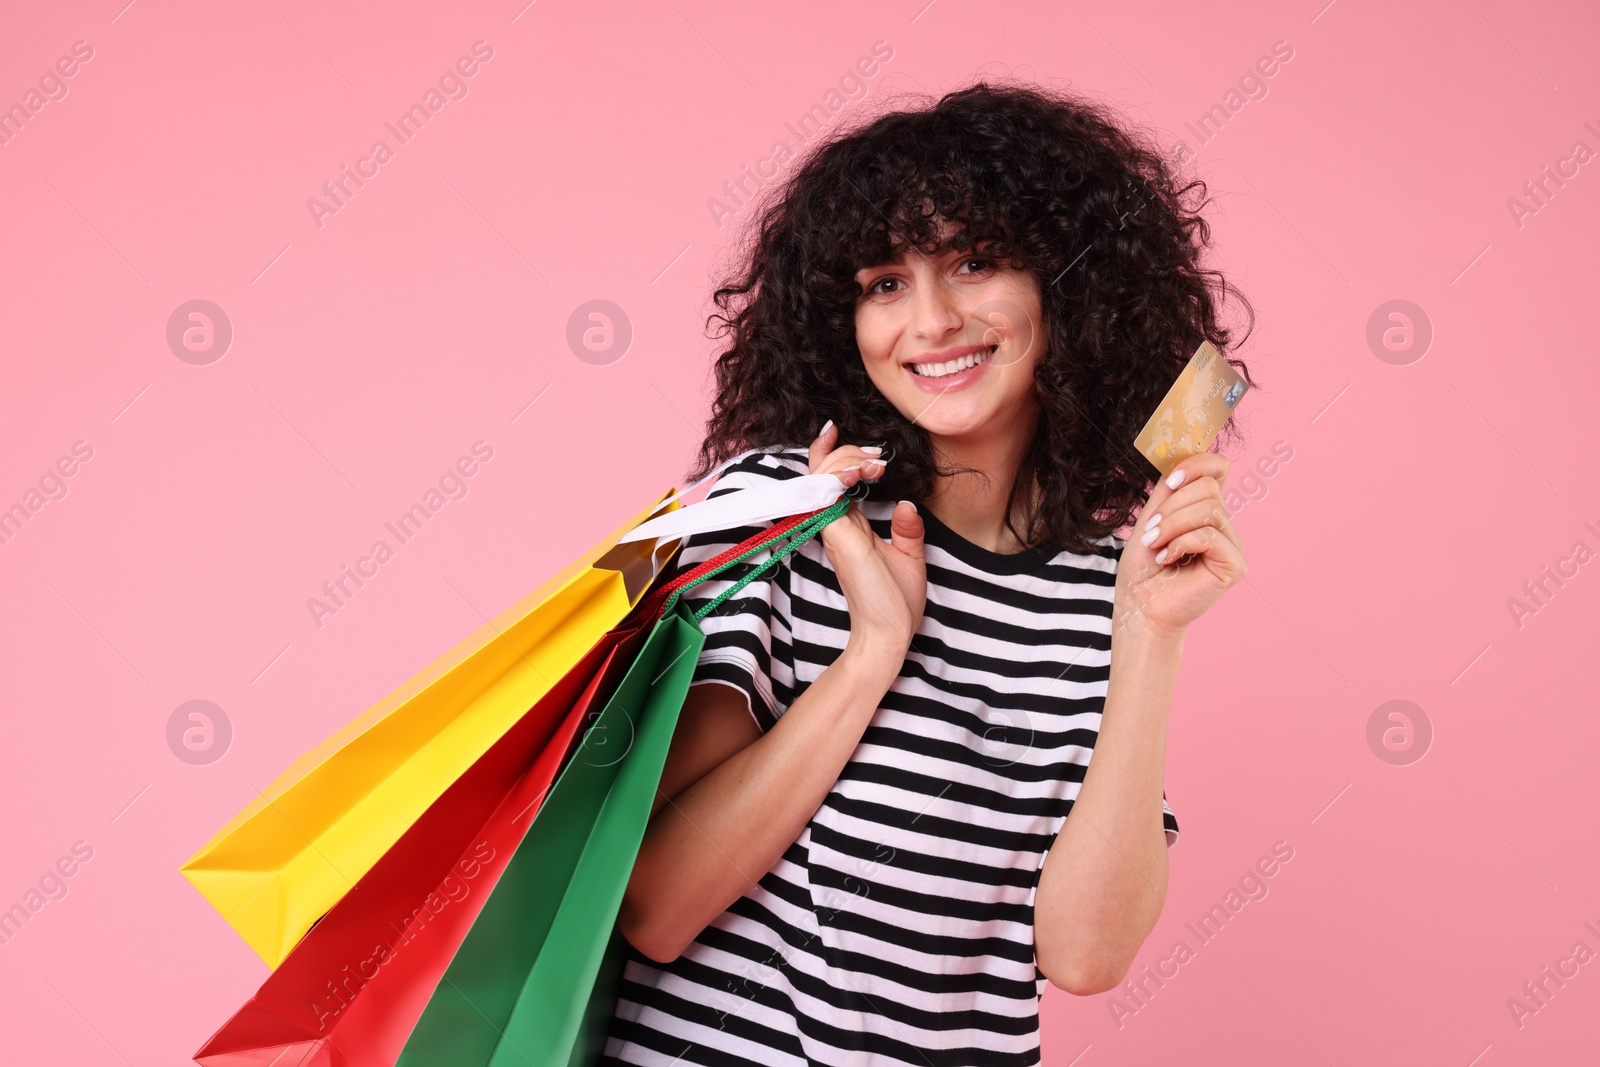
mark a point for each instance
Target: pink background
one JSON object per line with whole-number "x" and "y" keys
{"x": 432, "y": 309}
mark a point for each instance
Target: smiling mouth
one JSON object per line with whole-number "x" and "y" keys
{"x": 954, "y": 366}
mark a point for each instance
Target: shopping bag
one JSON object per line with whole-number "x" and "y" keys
{"x": 534, "y": 980}
{"x": 350, "y": 991}
{"x": 282, "y": 863}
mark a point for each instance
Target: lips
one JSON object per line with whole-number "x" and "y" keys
{"x": 951, "y": 361}
{"x": 954, "y": 368}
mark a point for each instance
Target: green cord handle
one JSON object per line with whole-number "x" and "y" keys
{"x": 796, "y": 537}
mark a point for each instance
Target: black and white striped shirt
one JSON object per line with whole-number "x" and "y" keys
{"x": 898, "y": 928}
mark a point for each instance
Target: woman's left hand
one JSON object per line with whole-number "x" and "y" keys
{"x": 1183, "y": 553}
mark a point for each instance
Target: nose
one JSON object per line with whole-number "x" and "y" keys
{"x": 935, "y": 310}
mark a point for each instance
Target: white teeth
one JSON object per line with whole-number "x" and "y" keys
{"x": 954, "y": 366}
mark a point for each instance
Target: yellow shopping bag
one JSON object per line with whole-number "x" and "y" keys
{"x": 280, "y": 864}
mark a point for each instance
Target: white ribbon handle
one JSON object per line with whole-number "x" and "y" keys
{"x": 717, "y": 471}
{"x": 744, "y": 507}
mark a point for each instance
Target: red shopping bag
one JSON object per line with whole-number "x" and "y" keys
{"x": 351, "y": 990}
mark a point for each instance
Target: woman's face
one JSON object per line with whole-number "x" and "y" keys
{"x": 951, "y": 340}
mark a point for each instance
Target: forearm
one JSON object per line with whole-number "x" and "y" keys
{"x": 709, "y": 844}
{"x": 1105, "y": 878}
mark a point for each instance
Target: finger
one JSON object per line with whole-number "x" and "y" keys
{"x": 867, "y": 470}
{"x": 865, "y": 466}
{"x": 872, "y": 467}
{"x": 1169, "y": 523}
{"x": 848, "y": 475}
{"x": 1192, "y": 468}
{"x": 847, "y": 529}
{"x": 822, "y": 446}
{"x": 906, "y": 530}
{"x": 826, "y": 456}
{"x": 1209, "y": 542}
{"x": 1223, "y": 520}
{"x": 1202, "y": 514}
{"x": 1194, "y": 490}
{"x": 1222, "y": 557}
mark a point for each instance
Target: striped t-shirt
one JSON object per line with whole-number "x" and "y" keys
{"x": 898, "y": 927}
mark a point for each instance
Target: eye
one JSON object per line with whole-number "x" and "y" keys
{"x": 874, "y": 289}
{"x": 983, "y": 262}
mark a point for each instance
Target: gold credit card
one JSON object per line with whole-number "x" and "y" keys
{"x": 1192, "y": 413}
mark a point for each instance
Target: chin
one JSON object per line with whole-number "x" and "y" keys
{"x": 952, "y": 422}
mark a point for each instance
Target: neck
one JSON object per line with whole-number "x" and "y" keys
{"x": 974, "y": 505}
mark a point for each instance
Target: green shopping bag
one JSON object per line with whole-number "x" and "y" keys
{"x": 533, "y": 984}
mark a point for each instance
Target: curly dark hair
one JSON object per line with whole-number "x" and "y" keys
{"x": 1063, "y": 191}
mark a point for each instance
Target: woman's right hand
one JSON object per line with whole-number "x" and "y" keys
{"x": 885, "y": 583}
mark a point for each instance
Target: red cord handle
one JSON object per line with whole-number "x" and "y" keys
{"x": 652, "y": 604}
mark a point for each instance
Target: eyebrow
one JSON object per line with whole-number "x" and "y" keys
{"x": 947, "y": 247}
{"x": 900, "y": 256}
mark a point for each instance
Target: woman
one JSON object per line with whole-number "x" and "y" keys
{"x": 861, "y": 851}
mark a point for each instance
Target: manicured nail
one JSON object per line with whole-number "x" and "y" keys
{"x": 854, "y": 467}
{"x": 913, "y": 505}
{"x": 1175, "y": 479}
{"x": 824, "y": 428}
{"x": 1161, "y": 557}
{"x": 1150, "y": 535}
{"x": 872, "y": 450}
{"x": 1154, "y": 521}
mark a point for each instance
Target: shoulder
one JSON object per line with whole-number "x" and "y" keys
{"x": 1111, "y": 545}
{"x": 746, "y": 472}
{"x": 1108, "y": 553}
{"x": 1105, "y": 554}
{"x": 777, "y": 464}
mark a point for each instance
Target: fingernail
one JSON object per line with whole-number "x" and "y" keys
{"x": 1175, "y": 479}
{"x": 872, "y": 450}
{"x": 913, "y": 506}
{"x": 824, "y": 428}
{"x": 1154, "y": 520}
{"x": 1150, "y": 535}
{"x": 854, "y": 467}
{"x": 1161, "y": 557}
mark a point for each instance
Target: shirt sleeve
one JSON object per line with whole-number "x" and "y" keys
{"x": 748, "y": 641}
